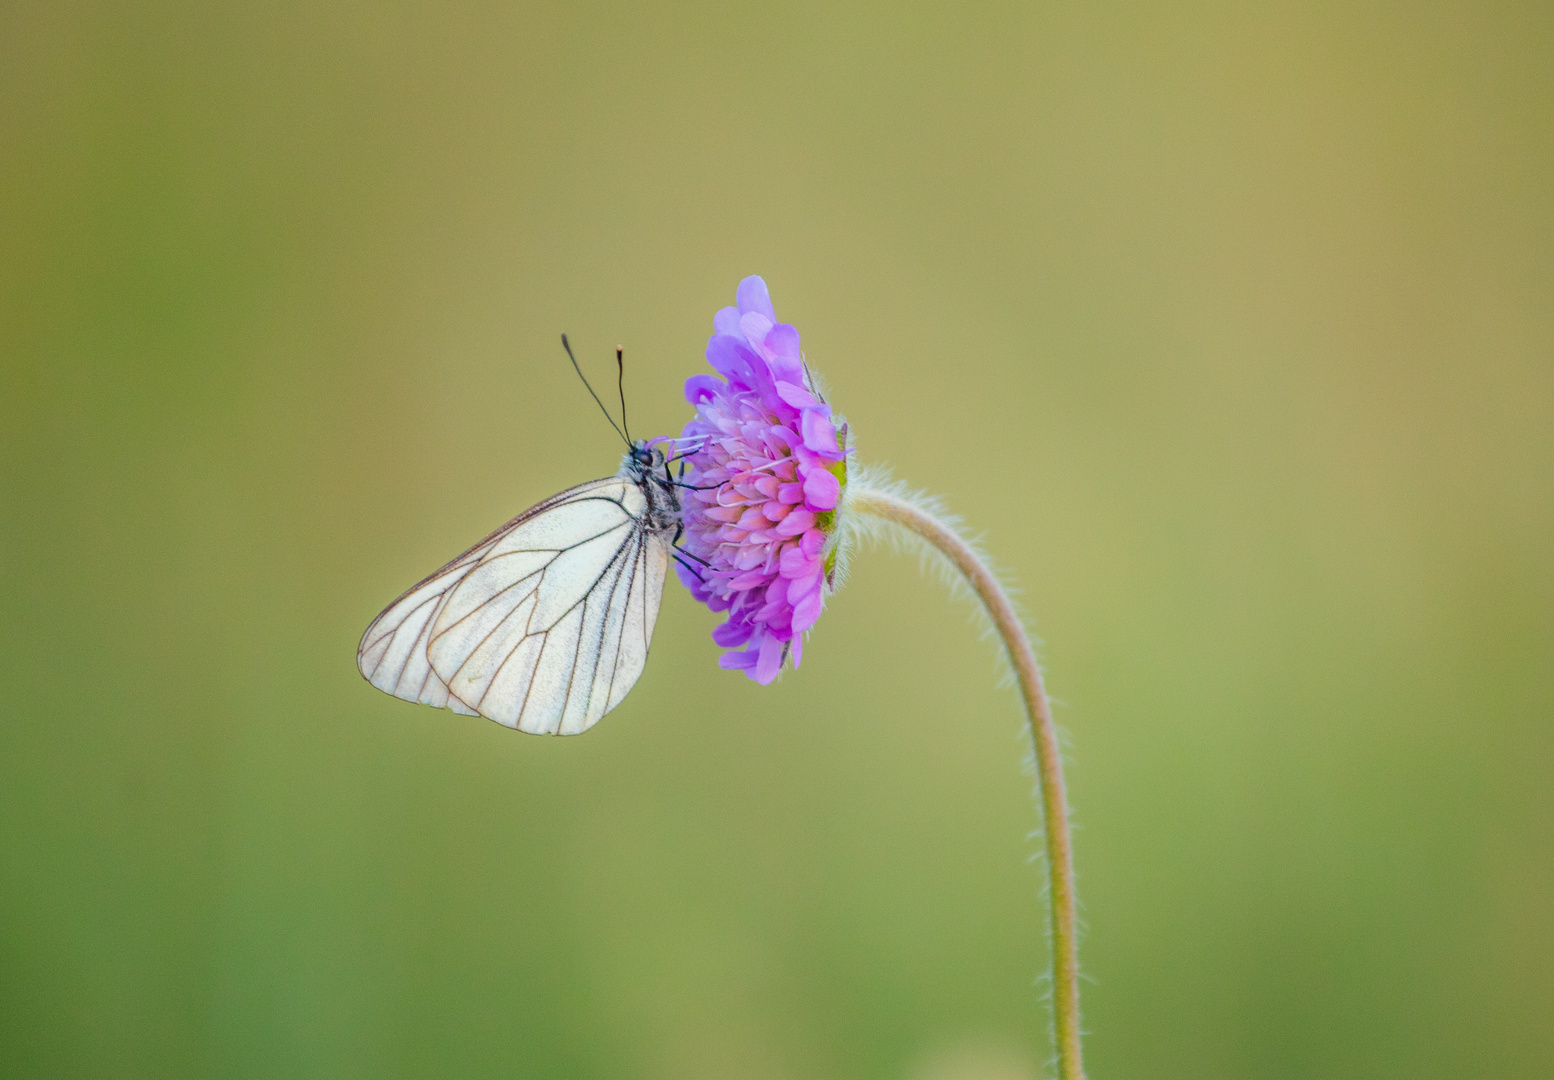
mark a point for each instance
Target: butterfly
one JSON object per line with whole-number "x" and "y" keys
{"x": 545, "y": 624}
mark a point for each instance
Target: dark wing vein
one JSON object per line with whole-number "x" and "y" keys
{"x": 621, "y": 639}
{"x": 608, "y": 600}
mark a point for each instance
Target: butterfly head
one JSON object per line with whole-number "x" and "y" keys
{"x": 644, "y": 458}
{"x": 644, "y": 463}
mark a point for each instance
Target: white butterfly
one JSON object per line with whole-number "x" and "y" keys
{"x": 545, "y": 624}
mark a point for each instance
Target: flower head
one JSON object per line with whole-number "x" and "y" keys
{"x": 767, "y": 464}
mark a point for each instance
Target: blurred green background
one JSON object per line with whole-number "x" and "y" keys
{"x": 1231, "y": 325}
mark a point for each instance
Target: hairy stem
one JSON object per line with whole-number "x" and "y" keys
{"x": 896, "y": 510}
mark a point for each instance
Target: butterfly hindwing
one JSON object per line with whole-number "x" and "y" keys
{"x": 392, "y": 655}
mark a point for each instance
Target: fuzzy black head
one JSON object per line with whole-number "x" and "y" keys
{"x": 644, "y": 457}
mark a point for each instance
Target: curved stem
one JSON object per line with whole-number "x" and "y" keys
{"x": 896, "y": 510}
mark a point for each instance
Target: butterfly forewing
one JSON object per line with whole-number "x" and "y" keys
{"x": 542, "y": 626}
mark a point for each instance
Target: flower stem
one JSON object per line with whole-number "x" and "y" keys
{"x": 897, "y": 510}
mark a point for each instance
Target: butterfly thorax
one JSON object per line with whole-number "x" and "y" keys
{"x": 647, "y": 467}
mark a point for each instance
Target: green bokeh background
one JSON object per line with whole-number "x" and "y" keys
{"x": 1231, "y": 325}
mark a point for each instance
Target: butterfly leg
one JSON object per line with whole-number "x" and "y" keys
{"x": 679, "y": 481}
{"x": 687, "y": 554}
{"x": 679, "y": 553}
{"x": 688, "y": 566}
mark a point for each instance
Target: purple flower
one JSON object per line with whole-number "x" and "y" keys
{"x": 770, "y": 461}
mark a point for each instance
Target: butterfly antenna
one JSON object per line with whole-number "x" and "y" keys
{"x": 565, "y": 344}
{"x": 620, "y": 385}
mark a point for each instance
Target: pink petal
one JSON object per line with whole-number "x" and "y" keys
{"x": 807, "y": 611}
{"x": 726, "y": 321}
{"x": 796, "y": 564}
{"x": 787, "y": 364}
{"x": 731, "y": 635}
{"x": 701, "y": 388}
{"x": 770, "y": 613}
{"x": 769, "y": 661}
{"x": 755, "y": 327}
{"x": 753, "y": 296}
{"x": 783, "y": 341}
{"x": 738, "y": 661}
{"x": 732, "y": 358}
{"x": 796, "y": 396}
{"x": 747, "y": 581}
{"x": 821, "y": 490}
{"x": 799, "y": 521}
{"x": 819, "y": 433}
